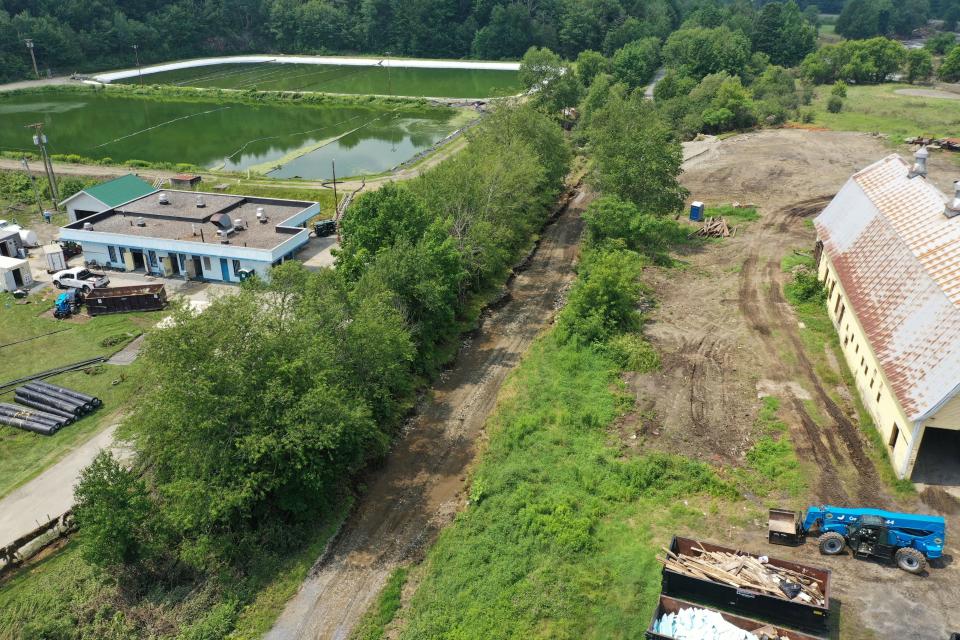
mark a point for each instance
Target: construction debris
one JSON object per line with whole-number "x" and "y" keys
{"x": 703, "y": 624}
{"x": 746, "y": 572}
{"x": 715, "y": 227}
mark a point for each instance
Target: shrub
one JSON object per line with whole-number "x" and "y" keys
{"x": 807, "y": 116}
{"x": 805, "y": 286}
{"x": 633, "y": 353}
{"x": 839, "y": 89}
{"x": 835, "y": 104}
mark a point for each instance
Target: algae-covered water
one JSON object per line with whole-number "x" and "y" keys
{"x": 282, "y": 140}
{"x": 379, "y": 80}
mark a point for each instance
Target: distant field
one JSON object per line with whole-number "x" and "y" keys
{"x": 377, "y": 80}
{"x": 878, "y": 109}
{"x": 828, "y": 34}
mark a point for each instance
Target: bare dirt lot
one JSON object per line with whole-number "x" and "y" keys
{"x": 726, "y": 334}
{"x": 420, "y": 488}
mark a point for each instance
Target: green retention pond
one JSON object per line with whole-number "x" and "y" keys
{"x": 283, "y": 140}
{"x": 361, "y": 80}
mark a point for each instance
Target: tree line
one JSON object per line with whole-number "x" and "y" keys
{"x": 258, "y": 412}
{"x": 86, "y": 35}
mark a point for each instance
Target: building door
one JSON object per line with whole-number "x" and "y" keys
{"x": 174, "y": 263}
{"x": 17, "y": 278}
{"x": 138, "y": 262}
{"x": 197, "y": 267}
{"x": 225, "y": 269}
{"x": 3, "y": 250}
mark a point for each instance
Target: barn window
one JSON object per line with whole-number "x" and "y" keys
{"x": 894, "y": 434}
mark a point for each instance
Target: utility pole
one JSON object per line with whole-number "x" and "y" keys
{"x": 40, "y": 140}
{"x": 33, "y": 181}
{"x": 136, "y": 52}
{"x": 33, "y": 57}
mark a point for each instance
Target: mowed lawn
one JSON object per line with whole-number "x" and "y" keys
{"x": 879, "y": 109}
{"x": 24, "y": 455}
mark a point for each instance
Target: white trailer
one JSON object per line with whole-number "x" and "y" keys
{"x": 53, "y": 254}
{"x": 14, "y": 274}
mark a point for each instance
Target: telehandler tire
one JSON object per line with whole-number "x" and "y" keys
{"x": 911, "y": 560}
{"x": 832, "y": 543}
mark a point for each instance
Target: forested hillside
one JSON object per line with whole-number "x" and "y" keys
{"x": 75, "y": 35}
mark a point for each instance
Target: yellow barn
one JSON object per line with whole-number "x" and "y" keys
{"x": 888, "y": 254}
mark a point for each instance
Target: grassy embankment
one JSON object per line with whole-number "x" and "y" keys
{"x": 24, "y": 455}
{"x": 879, "y": 109}
{"x": 819, "y": 336}
{"x": 562, "y": 532}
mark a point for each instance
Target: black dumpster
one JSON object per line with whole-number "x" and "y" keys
{"x": 673, "y": 605}
{"x": 793, "y": 613}
{"x": 148, "y": 297}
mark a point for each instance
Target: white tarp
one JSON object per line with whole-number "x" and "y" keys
{"x": 699, "y": 624}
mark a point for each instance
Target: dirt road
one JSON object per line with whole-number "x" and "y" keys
{"x": 421, "y": 487}
{"x": 51, "y": 493}
{"x": 727, "y": 335}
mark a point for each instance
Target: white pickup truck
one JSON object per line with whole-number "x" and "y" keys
{"x": 80, "y": 278}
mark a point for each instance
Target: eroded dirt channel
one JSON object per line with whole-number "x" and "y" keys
{"x": 421, "y": 485}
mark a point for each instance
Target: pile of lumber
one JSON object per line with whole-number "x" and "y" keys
{"x": 746, "y": 572}
{"x": 715, "y": 227}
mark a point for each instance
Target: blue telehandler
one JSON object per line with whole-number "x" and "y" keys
{"x": 908, "y": 539}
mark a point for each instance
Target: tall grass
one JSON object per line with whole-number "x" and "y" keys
{"x": 560, "y": 539}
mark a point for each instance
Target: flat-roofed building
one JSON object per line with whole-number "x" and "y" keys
{"x": 193, "y": 235}
{"x": 889, "y": 255}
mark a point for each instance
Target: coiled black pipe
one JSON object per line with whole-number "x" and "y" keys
{"x": 84, "y": 407}
{"x": 48, "y": 401}
{"x": 12, "y": 411}
{"x": 39, "y": 406}
{"x": 28, "y": 425}
{"x": 93, "y": 400}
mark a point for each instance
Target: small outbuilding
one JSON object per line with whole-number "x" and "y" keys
{"x": 11, "y": 244}
{"x": 14, "y": 274}
{"x": 185, "y": 181}
{"x": 106, "y": 195}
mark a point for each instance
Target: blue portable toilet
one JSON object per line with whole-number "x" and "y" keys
{"x": 696, "y": 211}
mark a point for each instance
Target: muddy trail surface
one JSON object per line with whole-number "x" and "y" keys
{"x": 421, "y": 486}
{"x": 727, "y": 336}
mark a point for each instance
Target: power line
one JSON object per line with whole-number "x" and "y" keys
{"x": 40, "y": 140}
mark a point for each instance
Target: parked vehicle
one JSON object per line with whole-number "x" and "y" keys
{"x": 908, "y": 539}
{"x": 80, "y": 278}
{"x": 67, "y": 304}
{"x": 70, "y": 248}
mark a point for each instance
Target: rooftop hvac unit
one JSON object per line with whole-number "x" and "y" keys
{"x": 87, "y": 226}
{"x": 200, "y": 203}
{"x": 239, "y": 224}
{"x": 193, "y": 228}
{"x": 162, "y": 198}
{"x": 261, "y": 215}
{"x": 141, "y": 222}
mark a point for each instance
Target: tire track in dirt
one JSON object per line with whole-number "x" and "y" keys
{"x": 420, "y": 488}
{"x": 762, "y": 302}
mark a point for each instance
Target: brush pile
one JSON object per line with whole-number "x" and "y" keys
{"x": 715, "y": 227}
{"x": 746, "y": 572}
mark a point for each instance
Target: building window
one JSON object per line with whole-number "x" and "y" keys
{"x": 861, "y": 363}
{"x": 832, "y": 285}
{"x": 894, "y": 434}
{"x": 836, "y": 305}
{"x": 113, "y": 253}
{"x": 236, "y": 268}
{"x": 871, "y": 383}
{"x": 866, "y": 369}
{"x": 206, "y": 263}
{"x": 878, "y": 396}
{"x": 857, "y": 350}
{"x": 153, "y": 258}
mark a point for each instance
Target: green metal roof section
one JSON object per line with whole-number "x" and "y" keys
{"x": 119, "y": 190}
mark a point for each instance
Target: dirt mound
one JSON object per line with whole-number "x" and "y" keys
{"x": 939, "y": 500}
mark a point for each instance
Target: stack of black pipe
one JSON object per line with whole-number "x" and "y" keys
{"x": 46, "y": 407}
